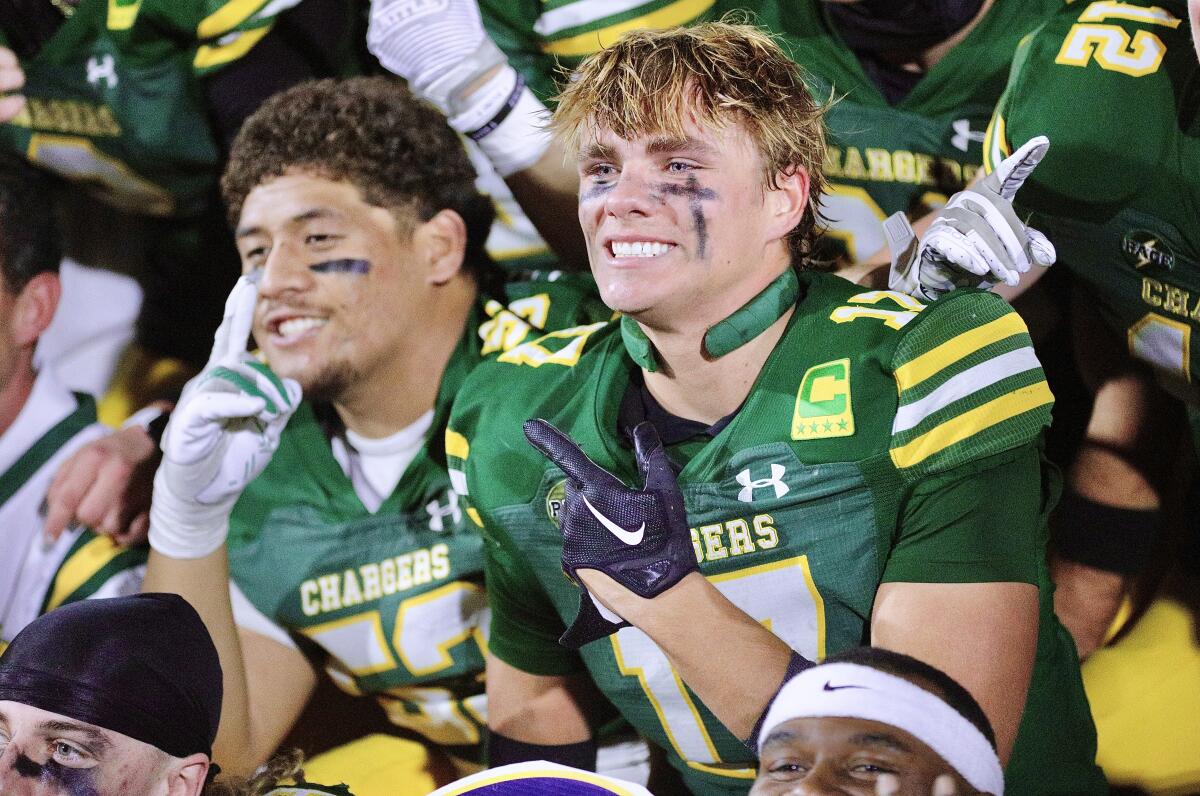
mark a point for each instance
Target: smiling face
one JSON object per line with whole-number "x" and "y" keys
{"x": 681, "y": 226}
{"x": 845, "y": 756}
{"x": 339, "y": 291}
{"x": 46, "y": 754}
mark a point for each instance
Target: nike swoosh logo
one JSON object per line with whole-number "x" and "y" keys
{"x": 628, "y": 537}
{"x": 829, "y": 687}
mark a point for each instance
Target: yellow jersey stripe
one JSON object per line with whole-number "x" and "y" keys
{"x": 457, "y": 445}
{"x": 912, "y": 373}
{"x": 122, "y": 17}
{"x": 227, "y": 17}
{"x": 735, "y": 773}
{"x": 474, "y": 515}
{"x": 988, "y": 141}
{"x": 678, "y": 13}
{"x": 81, "y": 567}
{"x": 210, "y": 56}
{"x": 958, "y": 428}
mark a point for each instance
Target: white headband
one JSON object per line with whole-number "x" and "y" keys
{"x": 849, "y": 690}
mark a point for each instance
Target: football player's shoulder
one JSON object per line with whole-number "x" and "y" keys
{"x": 524, "y": 309}
{"x": 862, "y": 321}
{"x": 527, "y": 380}
{"x": 969, "y": 384}
{"x": 221, "y": 30}
{"x": 1098, "y": 80}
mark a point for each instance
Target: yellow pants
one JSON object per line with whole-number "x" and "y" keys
{"x": 1145, "y": 695}
{"x": 383, "y": 765}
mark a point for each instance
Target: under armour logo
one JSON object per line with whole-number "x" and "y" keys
{"x": 438, "y": 512}
{"x": 102, "y": 68}
{"x": 964, "y": 135}
{"x": 746, "y": 493}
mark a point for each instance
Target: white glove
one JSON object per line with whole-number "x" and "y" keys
{"x": 441, "y": 49}
{"x": 221, "y": 435}
{"x": 976, "y": 240}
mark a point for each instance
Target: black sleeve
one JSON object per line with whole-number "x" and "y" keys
{"x": 312, "y": 40}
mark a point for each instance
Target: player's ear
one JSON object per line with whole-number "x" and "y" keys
{"x": 441, "y": 243}
{"x": 186, "y": 775}
{"x": 788, "y": 200}
{"x": 34, "y": 308}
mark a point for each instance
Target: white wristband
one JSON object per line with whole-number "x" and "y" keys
{"x": 507, "y": 121}
{"x": 183, "y": 529}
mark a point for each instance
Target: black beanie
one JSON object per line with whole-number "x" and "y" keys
{"x": 143, "y": 666}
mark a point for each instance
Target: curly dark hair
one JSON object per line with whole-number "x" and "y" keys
{"x": 369, "y": 131}
{"x": 29, "y": 240}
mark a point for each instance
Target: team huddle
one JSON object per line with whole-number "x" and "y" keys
{"x": 736, "y": 481}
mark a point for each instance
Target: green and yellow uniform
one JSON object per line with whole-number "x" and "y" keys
{"x": 115, "y": 103}
{"x": 37, "y": 576}
{"x": 1119, "y": 191}
{"x": 870, "y": 450}
{"x": 390, "y": 602}
{"x": 882, "y": 158}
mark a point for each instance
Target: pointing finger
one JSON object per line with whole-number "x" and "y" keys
{"x": 234, "y": 332}
{"x": 563, "y": 451}
{"x": 1012, "y": 172}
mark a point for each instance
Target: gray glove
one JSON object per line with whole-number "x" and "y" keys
{"x": 976, "y": 240}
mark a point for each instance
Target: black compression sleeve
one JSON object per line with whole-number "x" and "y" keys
{"x": 306, "y": 42}
{"x": 796, "y": 664}
{"x": 1105, "y": 537}
{"x": 502, "y": 750}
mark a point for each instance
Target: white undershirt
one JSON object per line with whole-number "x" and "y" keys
{"x": 375, "y": 466}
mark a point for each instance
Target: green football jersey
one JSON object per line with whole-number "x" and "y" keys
{"x": 391, "y": 602}
{"x": 114, "y": 102}
{"x": 1118, "y": 193}
{"x": 868, "y": 451}
{"x": 882, "y": 158}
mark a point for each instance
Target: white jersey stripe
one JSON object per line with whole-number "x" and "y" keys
{"x": 581, "y": 13}
{"x": 961, "y": 385}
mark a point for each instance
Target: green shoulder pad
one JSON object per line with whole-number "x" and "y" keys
{"x": 969, "y": 385}
{"x": 1117, "y": 60}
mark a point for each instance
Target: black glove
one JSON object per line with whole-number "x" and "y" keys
{"x": 638, "y": 537}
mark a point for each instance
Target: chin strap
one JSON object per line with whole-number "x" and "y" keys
{"x": 752, "y": 319}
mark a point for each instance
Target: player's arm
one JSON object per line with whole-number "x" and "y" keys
{"x": 958, "y": 529}
{"x": 448, "y": 58}
{"x": 959, "y": 587}
{"x": 535, "y": 687}
{"x": 536, "y": 717}
{"x": 221, "y": 435}
{"x": 984, "y": 635}
{"x": 1109, "y": 519}
{"x": 266, "y": 684}
{"x": 106, "y": 484}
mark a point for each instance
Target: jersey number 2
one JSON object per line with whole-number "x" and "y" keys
{"x": 1110, "y": 45}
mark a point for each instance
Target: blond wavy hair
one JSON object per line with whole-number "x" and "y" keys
{"x": 719, "y": 73}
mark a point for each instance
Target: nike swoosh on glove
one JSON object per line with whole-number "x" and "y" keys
{"x": 638, "y": 537}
